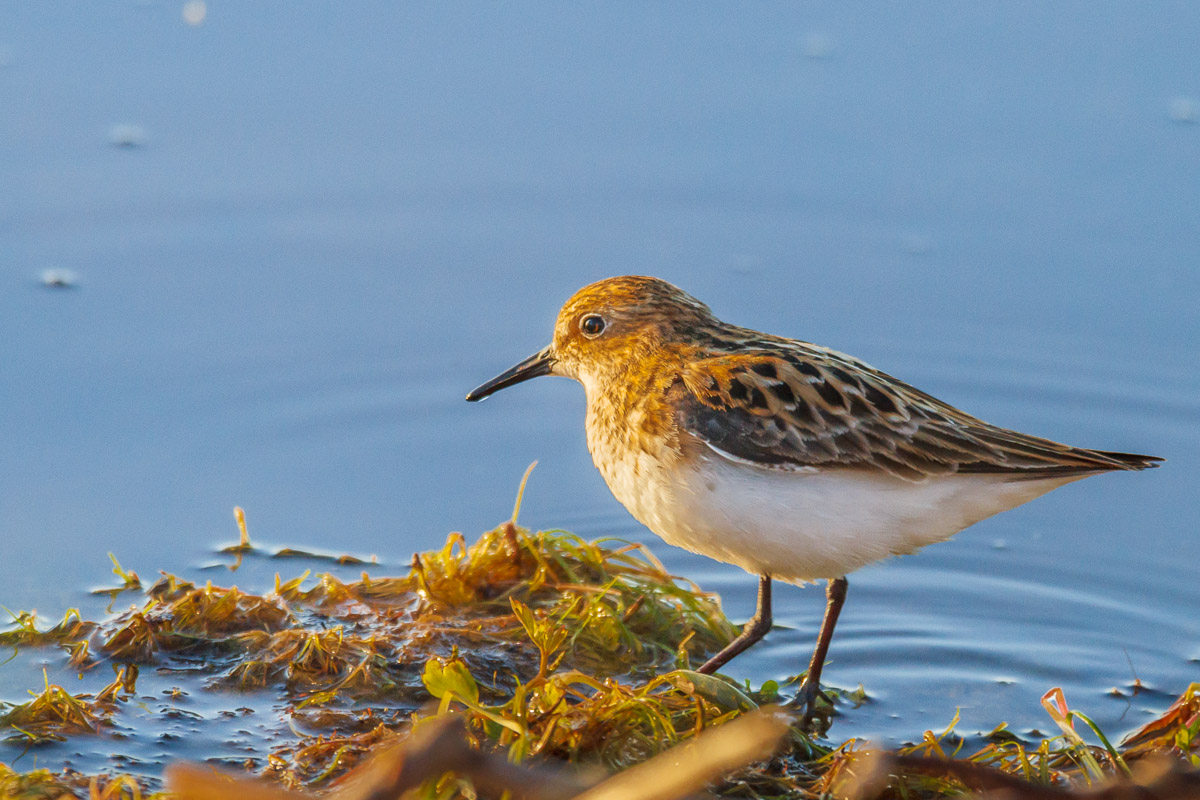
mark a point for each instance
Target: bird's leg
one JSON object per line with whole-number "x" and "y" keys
{"x": 835, "y": 595}
{"x": 753, "y": 630}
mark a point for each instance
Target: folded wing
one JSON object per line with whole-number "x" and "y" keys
{"x": 813, "y": 407}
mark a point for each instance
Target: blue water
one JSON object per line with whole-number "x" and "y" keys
{"x": 333, "y": 222}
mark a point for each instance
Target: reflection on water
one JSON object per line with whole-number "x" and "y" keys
{"x": 334, "y": 226}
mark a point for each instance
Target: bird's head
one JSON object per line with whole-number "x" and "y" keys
{"x": 606, "y": 328}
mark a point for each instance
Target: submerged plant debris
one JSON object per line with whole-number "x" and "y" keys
{"x": 552, "y": 649}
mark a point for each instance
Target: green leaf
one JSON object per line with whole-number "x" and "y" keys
{"x": 718, "y": 691}
{"x": 452, "y": 677}
{"x": 524, "y": 615}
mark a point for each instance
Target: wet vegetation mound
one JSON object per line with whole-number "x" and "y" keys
{"x": 549, "y": 649}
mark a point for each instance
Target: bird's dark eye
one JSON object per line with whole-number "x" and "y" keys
{"x": 592, "y": 325}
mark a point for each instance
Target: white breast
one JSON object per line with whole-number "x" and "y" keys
{"x": 804, "y": 525}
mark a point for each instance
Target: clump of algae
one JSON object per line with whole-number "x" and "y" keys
{"x": 553, "y": 649}
{"x": 355, "y": 660}
{"x": 54, "y": 713}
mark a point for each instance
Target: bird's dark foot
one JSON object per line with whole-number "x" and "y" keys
{"x": 813, "y": 704}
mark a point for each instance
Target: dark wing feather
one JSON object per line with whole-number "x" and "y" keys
{"x": 803, "y": 406}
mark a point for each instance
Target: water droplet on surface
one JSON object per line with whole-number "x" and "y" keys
{"x": 1184, "y": 109}
{"x": 58, "y": 278}
{"x": 127, "y": 135}
{"x": 194, "y": 12}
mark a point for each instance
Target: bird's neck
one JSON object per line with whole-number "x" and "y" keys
{"x": 630, "y": 409}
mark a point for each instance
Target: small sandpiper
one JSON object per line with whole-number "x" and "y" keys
{"x": 793, "y": 461}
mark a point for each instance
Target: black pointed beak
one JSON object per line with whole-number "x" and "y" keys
{"x": 540, "y": 363}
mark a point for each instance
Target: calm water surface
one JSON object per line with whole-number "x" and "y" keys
{"x": 330, "y": 226}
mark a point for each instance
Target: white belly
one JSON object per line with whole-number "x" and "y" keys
{"x": 801, "y": 526}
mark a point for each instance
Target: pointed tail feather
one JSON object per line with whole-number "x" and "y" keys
{"x": 1130, "y": 460}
